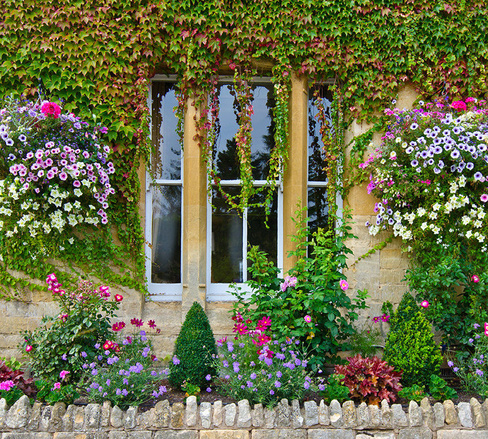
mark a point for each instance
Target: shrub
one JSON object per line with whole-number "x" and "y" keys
{"x": 413, "y": 393}
{"x": 262, "y": 370}
{"x": 439, "y": 389}
{"x": 365, "y": 341}
{"x": 123, "y": 372}
{"x": 311, "y": 304}
{"x": 59, "y": 343}
{"x": 195, "y": 350}
{"x": 370, "y": 380}
{"x": 13, "y": 385}
{"x": 410, "y": 344}
{"x": 334, "y": 389}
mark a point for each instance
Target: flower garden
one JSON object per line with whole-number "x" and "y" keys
{"x": 429, "y": 176}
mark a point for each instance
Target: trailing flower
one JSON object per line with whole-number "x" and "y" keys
{"x": 431, "y": 173}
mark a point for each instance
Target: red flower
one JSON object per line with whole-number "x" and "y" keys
{"x": 51, "y": 109}
{"x": 118, "y": 298}
{"x": 108, "y": 345}
{"x": 137, "y": 322}
{"x": 263, "y": 324}
{"x": 262, "y": 340}
{"x": 118, "y": 326}
{"x": 152, "y": 324}
{"x": 240, "y": 328}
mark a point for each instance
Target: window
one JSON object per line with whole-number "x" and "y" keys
{"x": 228, "y": 232}
{"x": 164, "y": 197}
{"x": 317, "y": 204}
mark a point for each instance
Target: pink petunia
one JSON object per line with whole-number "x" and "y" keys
{"x": 51, "y": 109}
{"x": 424, "y": 304}
{"x": 343, "y": 284}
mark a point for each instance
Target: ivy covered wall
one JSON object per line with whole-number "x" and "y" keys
{"x": 97, "y": 57}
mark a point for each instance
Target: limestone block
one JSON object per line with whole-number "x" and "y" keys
{"x": 19, "y": 413}
{"x": 324, "y": 418}
{"x": 283, "y": 414}
{"x": 217, "y": 414}
{"x": 257, "y": 415}
{"x": 427, "y": 413}
{"x": 105, "y": 414}
{"x": 464, "y": 413}
{"x": 479, "y": 418}
{"x": 414, "y": 414}
{"x": 230, "y": 411}
{"x": 244, "y": 414}
{"x": 130, "y": 418}
{"x": 223, "y": 434}
{"x": 206, "y": 414}
{"x": 415, "y": 433}
{"x": 33, "y": 423}
{"x": 398, "y": 416}
{"x": 349, "y": 414}
{"x": 92, "y": 416}
{"x": 451, "y": 416}
{"x": 375, "y": 415}
{"x": 311, "y": 413}
{"x": 162, "y": 414}
{"x": 177, "y": 415}
{"x": 45, "y": 418}
{"x": 116, "y": 417}
{"x": 176, "y": 434}
{"x": 331, "y": 434}
{"x": 191, "y": 411}
{"x": 296, "y": 417}
{"x": 462, "y": 434}
{"x": 56, "y": 423}
{"x": 336, "y": 413}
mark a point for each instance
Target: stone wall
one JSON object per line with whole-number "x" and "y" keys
{"x": 240, "y": 421}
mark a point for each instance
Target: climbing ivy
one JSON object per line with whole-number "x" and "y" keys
{"x": 97, "y": 57}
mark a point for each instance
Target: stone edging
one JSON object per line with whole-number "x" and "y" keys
{"x": 239, "y": 421}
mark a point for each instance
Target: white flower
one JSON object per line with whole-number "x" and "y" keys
{"x": 477, "y": 224}
{"x": 68, "y": 207}
{"x": 462, "y": 181}
{"x": 435, "y": 229}
{"x": 77, "y": 192}
{"x": 71, "y": 241}
{"x": 421, "y": 211}
{"x": 436, "y": 206}
{"x": 465, "y": 220}
{"x": 469, "y": 233}
{"x": 424, "y": 226}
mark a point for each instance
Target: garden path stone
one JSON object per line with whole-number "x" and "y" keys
{"x": 283, "y": 413}
{"x": 173, "y": 434}
{"x": 257, "y": 415}
{"x": 464, "y": 412}
{"x": 217, "y": 414}
{"x": 375, "y": 415}
{"x": 33, "y": 423}
{"x": 296, "y": 414}
{"x": 386, "y": 414}
{"x": 67, "y": 419}
{"x": 414, "y": 414}
{"x": 478, "y": 414}
{"x": 311, "y": 413}
{"x": 230, "y": 414}
{"x": 56, "y": 423}
{"x": 427, "y": 413}
{"x": 105, "y": 414}
{"x": 349, "y": 414}
{"x": 415, "y": 433}
{"x": 335, "y": 413}
{"x": 162, "y": 414}
{"x": 45, "y": 418}
{"x": 363, "y": 416}
{"x": 92, "y": 416}
{"x": 177, "y": 415}
{"x": 206, "y": 414}
{"x": 269, "y": 418}
{"x": 19, "y": 413}
{"x": 439, "y": 415}
{"x": 244, "y": 414}
{"x": 451, "y": 416}
{"x": 116, "y": 417}
{"x": 398, "y": 416}
{"x": 324, "y": 418}
{"x": 191, "y": 411}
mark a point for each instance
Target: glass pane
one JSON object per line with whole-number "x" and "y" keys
{"x": 316, "y": 158}
{"x": 166, "y": 235}
{"x": 227, "y": 238}
{"x": 318, "y": 208}
{"x": 225, "y": 148}
{"x": 166, "y": 160}
{"x": 258, "y": 233}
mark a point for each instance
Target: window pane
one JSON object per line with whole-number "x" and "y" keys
{"x": 166, "y": 235}
{"x": 166, "y": 160}
{"x": 258, "y": 234}
{"x": 225, "y": 148}
{"x": 227, "y": 259}
{"x": 316, "y": 158}
{"x": 318, "y": 208}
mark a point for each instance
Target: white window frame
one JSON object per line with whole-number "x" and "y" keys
{"x": 161, "y": 292}
{"x": 219, "y": 292}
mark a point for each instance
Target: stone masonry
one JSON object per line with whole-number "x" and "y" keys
{"x": 241, "y": 421}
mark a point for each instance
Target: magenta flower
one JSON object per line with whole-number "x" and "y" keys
{"x": 475, "y": 278}
{"x": 307, "y": 318}
{"x": 63, "y": 374}
{"x": 424, "y": 304}
{"x": 51, "y": 109}
{"x": 343, "y": 284}
{"x": 484, "y": 198}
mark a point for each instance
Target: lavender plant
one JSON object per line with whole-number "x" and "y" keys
{"x": 262, "y": 370}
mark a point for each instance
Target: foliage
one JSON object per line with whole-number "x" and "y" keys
{"x": 335, "y": 390}
{"x": 410, "y": 344}
{"x": 194, "y": 350}
{"x": 439, "y": 389}
{"x": 13, "y": 384}
{"x": 365, "y": 341}
{"x": 471, "y": 367}
{"x": 257, "y": 368}
{"x": 123, "y": 372}
{"x": 98, "y": 59}
{"x": 370, "y": 380}
{"x": 50, "y": 393}
{"x": 413, "y": 393}
{"x": 311, "y": 303}
{"x": 61, "y": 341}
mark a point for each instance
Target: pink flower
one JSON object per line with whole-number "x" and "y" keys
{"x": 51, "y": 109}
{"x": 467, "y": 100}
{"x": 475, "y": 278}
{"x": 484, "y": 198}
{"x": 343, "y": 284}
{"x": 7, "y": 385}
{"x": 424, "y": 304}
{"x": 51, "y": 278}
{"x": 56, "y": 386}
{"x": 63, "y": 374}
{"x": 307, "y": 318}
{"x": 459, "y": 105}
{"x": 486, "y": 329}
{"x": 118, "y": 298}
{"x": 28, "y": 348}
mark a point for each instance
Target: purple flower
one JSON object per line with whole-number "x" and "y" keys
{"x": 277, "y": 384}
{"x": 208, "y": 377}
{"x": 176, "y": 361}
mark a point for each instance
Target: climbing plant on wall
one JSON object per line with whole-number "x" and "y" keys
{"x": 96, "y": 58}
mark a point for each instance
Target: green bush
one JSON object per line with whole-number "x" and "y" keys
{"x": 410, "y": 344}
{"x": 195, "y": 350}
